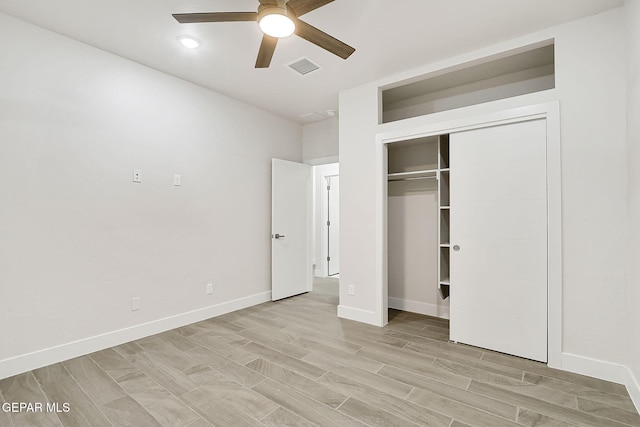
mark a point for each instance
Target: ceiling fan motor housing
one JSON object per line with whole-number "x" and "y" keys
{"x": 280, "y": 9}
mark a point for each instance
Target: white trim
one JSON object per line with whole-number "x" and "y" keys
{"x": 422, "y": 127}
{"x": 554, "y": 236}
{"x": 419, "y": 307}
{"x": 605, "y": 371}
{"x": 633, "y": 387}
{"x": 357, "y": 315}
{"x": 595, "y": 368}
{"x": 322, "y": 161}
{"x": 382, "y": 260}
{"x": 48, "y": 356}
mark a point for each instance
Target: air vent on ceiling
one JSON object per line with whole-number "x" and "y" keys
{"x": 311, "y": 117}
{"x": 303, "y": 66}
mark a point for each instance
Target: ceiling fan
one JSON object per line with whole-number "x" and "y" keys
{"x": 277, "y": 19}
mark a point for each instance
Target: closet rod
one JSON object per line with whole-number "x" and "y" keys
{"x": 415, "y": 178}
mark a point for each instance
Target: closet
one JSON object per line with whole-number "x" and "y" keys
{"x": 467, "y": 234}
{"x": 417, "y": 226}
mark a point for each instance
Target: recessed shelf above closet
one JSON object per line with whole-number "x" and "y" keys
{"x": 526, "y": 70}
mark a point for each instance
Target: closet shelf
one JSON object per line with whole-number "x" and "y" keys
{"x": 445, "y": 207}
{"x": 445, "y": 245}
{"x": 430, "y": 173}
{"x": 445, "y": 281}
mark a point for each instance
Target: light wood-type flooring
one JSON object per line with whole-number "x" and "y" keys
{"x": 294, "y": 363}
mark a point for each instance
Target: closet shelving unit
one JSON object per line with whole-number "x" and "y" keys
{"x": 444, "y": 210}
{"x": 407, "y": 163}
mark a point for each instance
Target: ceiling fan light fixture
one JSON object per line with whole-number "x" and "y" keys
{"x": 275, "y": 22}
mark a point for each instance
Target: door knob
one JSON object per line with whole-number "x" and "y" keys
{"x": 279, "y": 236}
{"x": 456, "y": 248}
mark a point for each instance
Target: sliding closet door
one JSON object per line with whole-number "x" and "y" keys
{"x": 498, "y": 228}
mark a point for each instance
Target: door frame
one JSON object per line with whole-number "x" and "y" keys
{"x": 332, "y": 169}
{"x": 551, "y": 113}
{"x": 325, "y": 228}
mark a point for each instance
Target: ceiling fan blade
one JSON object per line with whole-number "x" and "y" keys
{"x": 269, "y": 2}
{"x": 267, "y": 47}
{"x": 186, "y": 18}
{"x": 322, "y": 39}
{"x": 300, "y": 7}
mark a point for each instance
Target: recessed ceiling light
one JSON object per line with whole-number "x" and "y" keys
{"x": 188, "y": 41}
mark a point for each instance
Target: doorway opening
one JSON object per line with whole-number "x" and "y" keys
{"x": 326, "y": 220}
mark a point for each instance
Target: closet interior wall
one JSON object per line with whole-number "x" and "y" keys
{"x": 413, "y": 227}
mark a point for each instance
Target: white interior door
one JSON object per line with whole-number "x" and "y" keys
{"x": 498, "y": 265}
{"x": 333, "y": 221}
{"x": 290, "y": 229}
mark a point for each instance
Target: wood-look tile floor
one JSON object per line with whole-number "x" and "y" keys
{"x": 294, "y": 363}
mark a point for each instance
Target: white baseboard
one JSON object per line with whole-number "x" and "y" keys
{"x": 605, "y": 371}
{"x": 633, "y": 387}
{"x": 48, "y": 356}
{"x": 358, "y": 315}
{"x": 419, "y": 307}
{"x": 595, "y": 368}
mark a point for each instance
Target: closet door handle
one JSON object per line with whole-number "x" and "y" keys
{"x": 456, "y": 248}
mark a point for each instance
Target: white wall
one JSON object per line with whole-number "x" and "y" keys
{"x": 632, "y": 13}
{"x": 79, "y": 239}
{"x": 320, "y": 141}
{"x": 590, "y": 84}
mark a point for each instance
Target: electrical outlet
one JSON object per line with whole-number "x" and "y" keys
{"x": 351, "y": 290}
{"x": 209, "y": 288}
{"x": 135, "y": 303}
{"x": 177, "y": 180}
{"x": 137, "y": 175}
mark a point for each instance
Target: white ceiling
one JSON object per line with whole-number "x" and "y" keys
{"x": 390, "y": 36}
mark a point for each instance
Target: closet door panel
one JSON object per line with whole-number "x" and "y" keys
{"x": 502, "y": 329}
{"x": 507, "y": 307}
{"x": 502, "y": 219}
{"x": 518, "y": 179}
{"x": 503, "y": 259}
{"x": 498, "y": 233}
